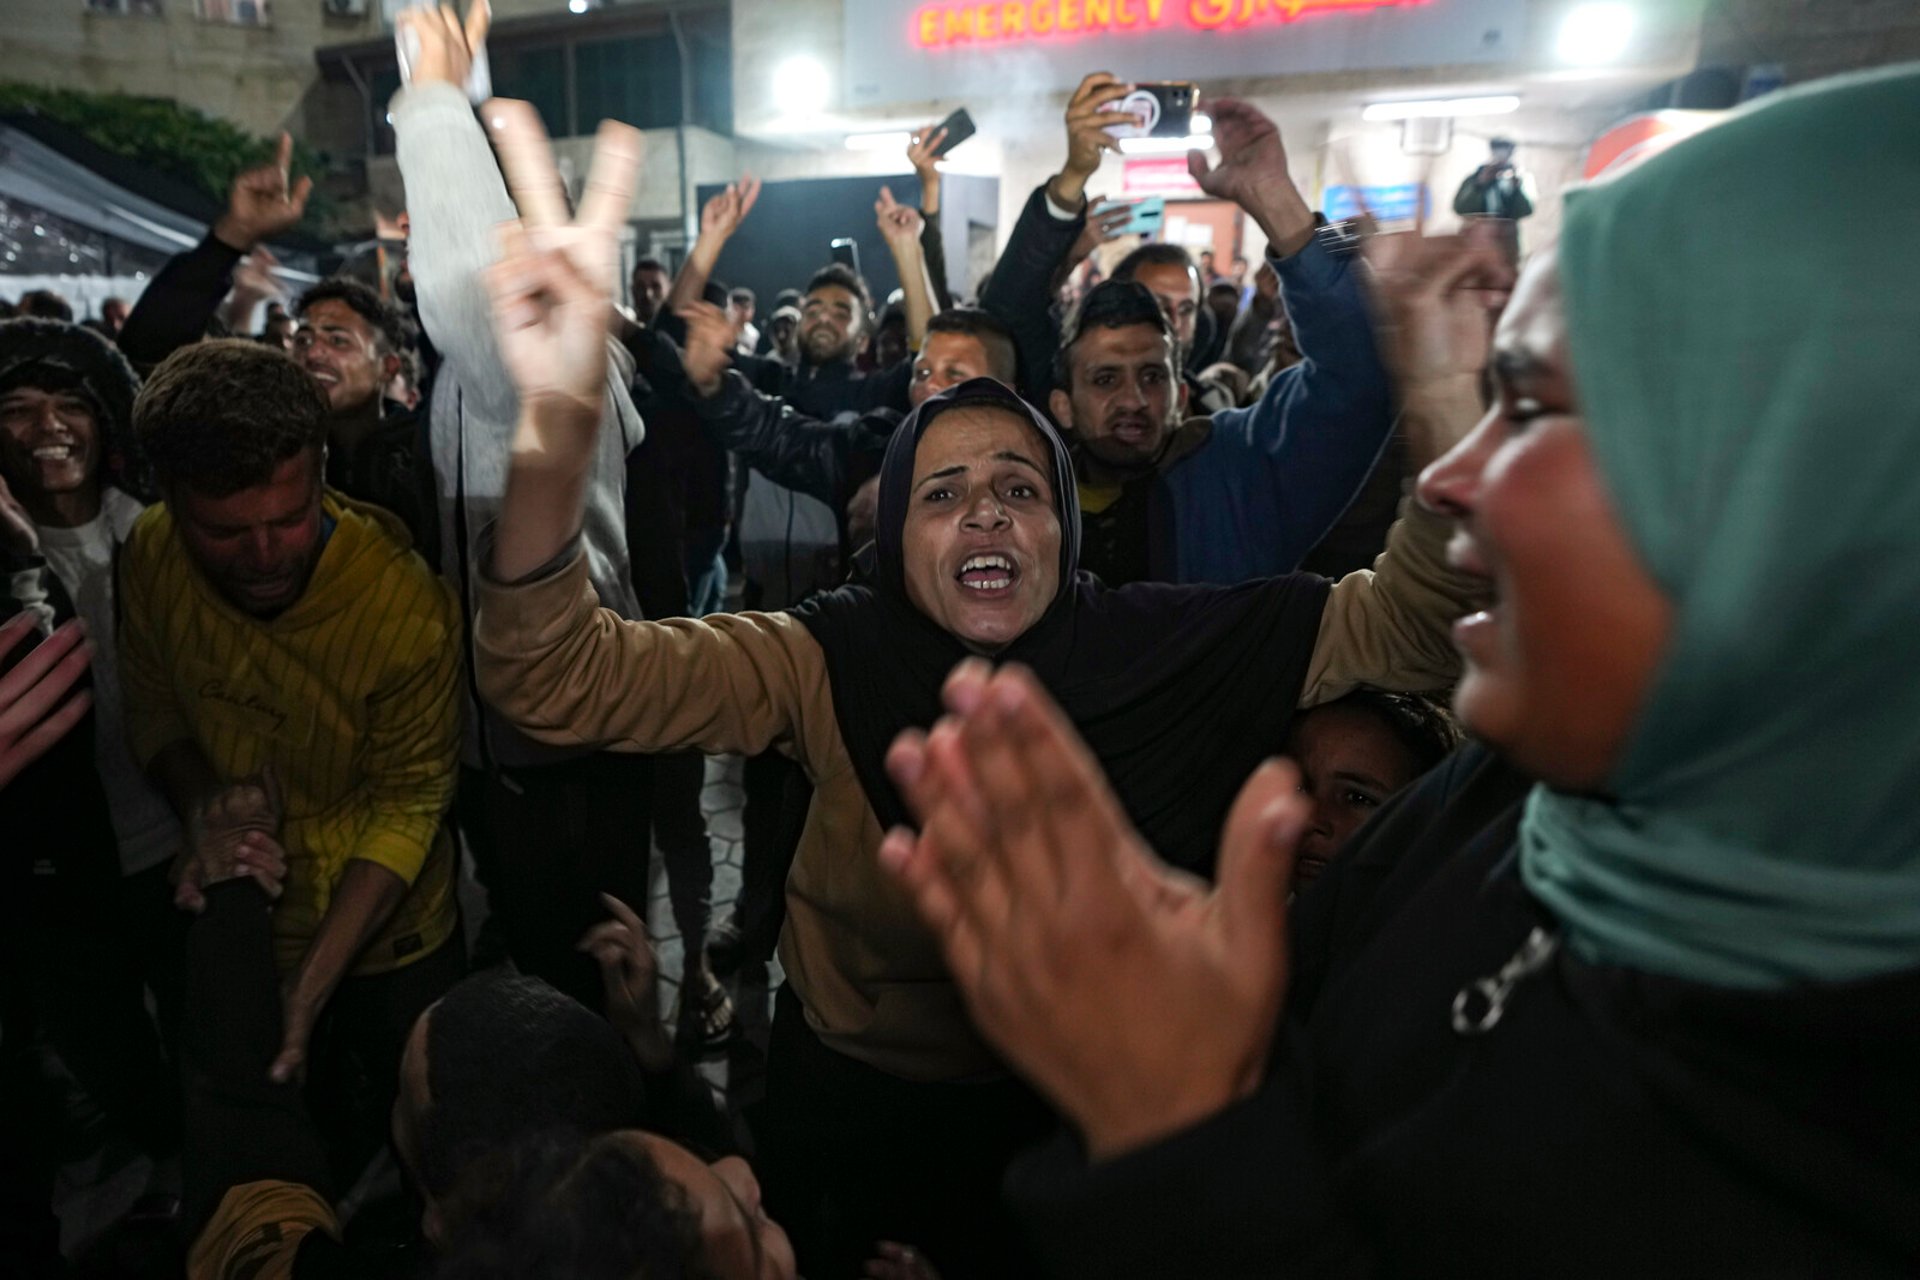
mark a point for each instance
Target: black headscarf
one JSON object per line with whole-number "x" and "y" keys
{"x": 1181, "y": 691}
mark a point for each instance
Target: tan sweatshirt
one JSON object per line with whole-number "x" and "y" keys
{"x": 569, "y": 672}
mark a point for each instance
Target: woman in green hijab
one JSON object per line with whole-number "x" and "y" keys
{"x": 1632, "y": 989}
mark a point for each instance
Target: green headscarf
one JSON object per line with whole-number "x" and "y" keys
{"x": 1744, "y": 319}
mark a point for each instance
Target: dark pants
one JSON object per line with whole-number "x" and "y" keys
{"x": 354, "y": 1057}
{"x": 777, "y": 798}
{"x": 547, "y": 842}
{"x": 850, "y": 1155}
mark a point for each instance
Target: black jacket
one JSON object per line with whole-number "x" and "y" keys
{"x": 823, "y": 460}
{"x": 1610, "y": 1124}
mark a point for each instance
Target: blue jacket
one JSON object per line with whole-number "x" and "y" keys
{"x": 1249, "y": 492}
{"x": 1272, "y": 479}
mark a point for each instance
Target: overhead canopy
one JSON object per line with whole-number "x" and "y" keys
{"x": 45, "y": 165}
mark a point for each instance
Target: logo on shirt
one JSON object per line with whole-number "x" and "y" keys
{"x": 217, "y": 690}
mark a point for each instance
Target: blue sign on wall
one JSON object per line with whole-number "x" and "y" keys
{"x": 1388, "y": 204}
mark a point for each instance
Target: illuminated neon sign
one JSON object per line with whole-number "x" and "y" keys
{"x": 938, "y": 26}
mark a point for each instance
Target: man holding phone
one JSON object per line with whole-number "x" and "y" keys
{"x": 1494, "y": 189}
{"x": 1239, "y": 493}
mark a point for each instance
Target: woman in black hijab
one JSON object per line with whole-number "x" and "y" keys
{"x": 886, "y": 1113}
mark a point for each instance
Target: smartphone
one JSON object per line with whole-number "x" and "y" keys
{"x": 1165, "y": 108}
{"x": 959, "y": 127}
{"x": 406, "y": 48}
{"x": 848, "y": 252}
{"x": 1148, "y": 214}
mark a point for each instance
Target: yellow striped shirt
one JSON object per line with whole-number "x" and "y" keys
{"x": 352, "y": 695}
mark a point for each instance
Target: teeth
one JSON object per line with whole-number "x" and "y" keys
{"x": 54, "y": 452}
{"x": 992, "y": 584}
{"x": 987, "y": 562}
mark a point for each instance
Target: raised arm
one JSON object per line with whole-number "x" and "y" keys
{"x": 900, "y": 226}
{"x": 765, "y": 431}
{"x": 1390, "y": 626}
{"x": 1020, "y": 295}
{"x": 926, "y": 166}
{"x": 719, "y": 219}
{"x": 560, "y": 667}
{"x": 455, "y": 200}
{"x": 185, "y": 294}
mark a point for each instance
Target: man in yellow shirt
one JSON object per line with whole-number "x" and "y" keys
{"x": 273, "y": 626}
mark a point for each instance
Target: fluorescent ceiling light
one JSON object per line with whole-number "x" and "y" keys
{"x": 894, "y": 141}
{"x": 1448, "y": 107}
{"x": 1166, "y": 146}
{"x": 1595, "y": 33}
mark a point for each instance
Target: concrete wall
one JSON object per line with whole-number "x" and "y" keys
{"x": 255, "y": 77}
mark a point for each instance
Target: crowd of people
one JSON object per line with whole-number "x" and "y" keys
{"x": 1089, "y": 638}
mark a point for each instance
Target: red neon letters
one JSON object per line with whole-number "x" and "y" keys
{"x": 938, "y": 26}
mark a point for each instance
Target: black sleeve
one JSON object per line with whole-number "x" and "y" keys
{"x": 177, "y": 303}
{"x": 768, "y": 435}
{"x": 934, "y": 246}
{"x": 1471, "y": 198}
{"x": 1019, "y": 297}
{"x": 240, "y": 1126}
{"x": 1241, "y": 1194}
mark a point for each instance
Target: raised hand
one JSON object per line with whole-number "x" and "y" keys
{"x": 553, "y": 285}
{"x": 722, "y": 215}
{"x": 36, "y": 710}
{"x": 1138, "y": 999}
{"x": 709, "y": 349}
{"x": 261, "y": 205}
{"x": 440, "y": 47}
{"x": 1253, "y": 174}
{"x": 1435, "y": 300}
{"x": 900, "y": 224}
{"x": 1102, "y": 226}
{"x": 233, "y": 832}
{"x": 630, "y": 976}
{"x": 923, "y": 154}
{"x": 1087, "y": 136}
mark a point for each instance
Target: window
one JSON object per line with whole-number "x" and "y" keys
{"x": 713, "y": 83}
{"x": 635, "y": 81}
{"x": 144, "y": 8}
{"x": 240, "y": 13}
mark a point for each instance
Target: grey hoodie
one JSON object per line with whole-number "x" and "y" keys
{"x": 456, "y": 197}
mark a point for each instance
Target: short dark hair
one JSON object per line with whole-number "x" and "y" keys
{"x": 651, "y": 264}
{"x": 509, "y": 1055}
{"x": 45, "y": 304}
{"x": 383, "y": 316}
{"x": 1226, "y": 288}
{"x": 1111, "y": 304}
{"x": 558, "y": 1203}
{"x": 1501, "y": 144}
{"x": 1425, "y": 728}
{"x": 742, "y": 294}
{"x": 842, "y": 276}
{"x": 1154, "y": 255}
{"x": 995, "y": 337}
{"x": 220, "y": 416}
